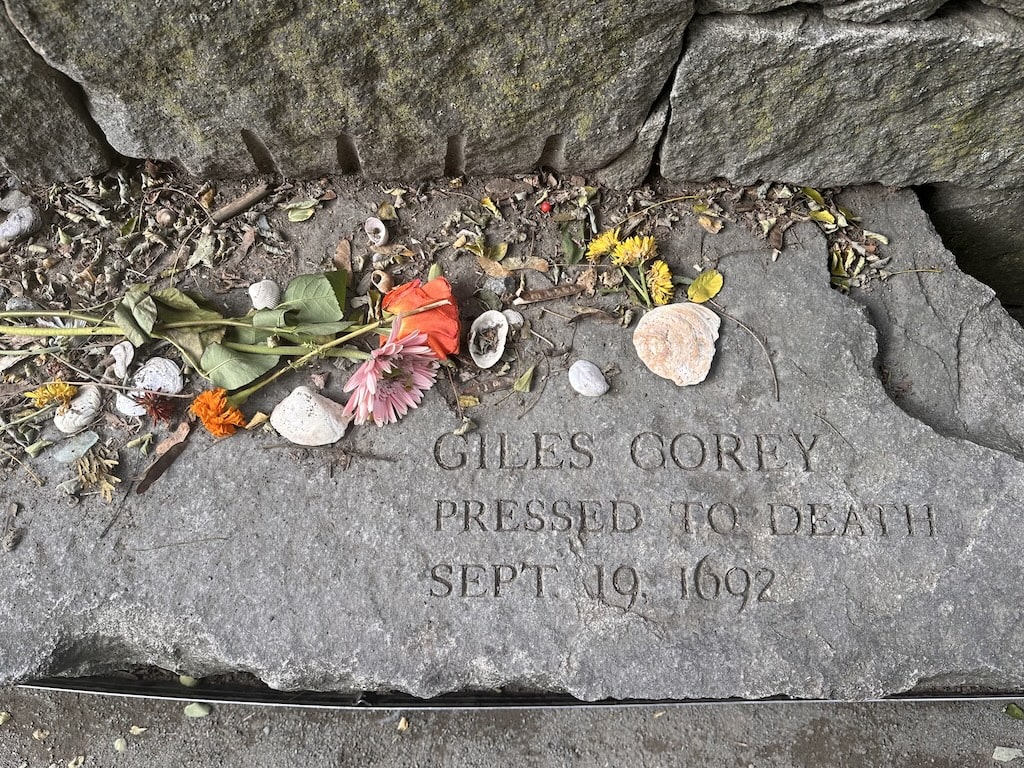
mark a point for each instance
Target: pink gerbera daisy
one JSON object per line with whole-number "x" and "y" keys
{"x": 393, "y": 380}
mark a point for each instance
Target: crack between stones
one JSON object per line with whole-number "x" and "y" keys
{"x": 74, "y": 93}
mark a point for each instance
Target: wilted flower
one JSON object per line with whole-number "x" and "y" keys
{"x": 659, "y": 282}
{"x": 440, "y": 325}
{"x": 393, "y": 380}
{"x": 217, "y": 415}
{"x": 603, "y": 244}
{"x": 634, "y": 250}
{"x": 55, "y": 393}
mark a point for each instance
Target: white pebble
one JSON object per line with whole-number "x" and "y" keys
{"x": 587, "y": 379}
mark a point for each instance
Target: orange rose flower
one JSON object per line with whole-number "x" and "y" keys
{"x": 217, "y": 415}
{"x": 440, "y": 324}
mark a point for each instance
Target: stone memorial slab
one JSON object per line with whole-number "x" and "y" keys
{"x": 785, "y": 527}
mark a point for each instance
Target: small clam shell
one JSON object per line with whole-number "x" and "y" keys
{"x": 306, "y": 418}
{"x": 80, "y": 412}
{"x": 376, "y": 231}
{"x": 123, "y": 354}
{"x": 266, "y": 294}
{"x": 487, "y": 337}
{"x": 382, "y": 281}
{"x": 515, "y": 319}
{"x": 677, "y": 341}
{"x": 587, "y": 379}
{"x": 158, "y": 374}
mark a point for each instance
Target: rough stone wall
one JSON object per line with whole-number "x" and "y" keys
{"x": 901, "y": 92}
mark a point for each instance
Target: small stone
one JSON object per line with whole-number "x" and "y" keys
{"x": 20, "y": 223}
{"x": 587, "y": 379}
{"x": 306, "y": 418}
{"x": 165, "y": 217}
{"x": 120, "y": 744}
{"x": 5, "y": 717}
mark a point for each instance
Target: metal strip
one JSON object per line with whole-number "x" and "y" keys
{"x": 266, "y": 697}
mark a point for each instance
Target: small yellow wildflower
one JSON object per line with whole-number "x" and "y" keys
{"x": 603, "y": 244}
{"x": 55, "y": 393}
{"x": 634, "y": 250}
{"x": 659, "y": 283}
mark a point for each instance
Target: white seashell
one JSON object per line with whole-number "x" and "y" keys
{"x": 515, "y": 319}
{"x": 266, "y": 294}
{"x": 587, "y": 379}
{"x": 158, "y": 374}
{"x": 487, "y": 337}
{"x": 21, "y": 222}
{"x": 123, "y": 354}
{"x": 80, "y": 412}
{"x": 306, "y": 418}
{"x": 376, "y": 231}
{"x": 677, "y": 341}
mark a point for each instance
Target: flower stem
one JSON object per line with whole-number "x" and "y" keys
{"x": 286, "y": 351}
{"x": 34, "y": 415}
{"x": 25, "y": 330}
{"x": 641, "y": 288}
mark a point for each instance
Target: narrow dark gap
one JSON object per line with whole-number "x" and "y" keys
{"x": 665, "y": 99}
{"x": 74, "y": 94}
{"x": 261, "y": 156}
{"x": 455, "y": 157}
{"x": 348, "y": 155}
{"x": 984, "y": 230}
{"x": 553, "y": 154}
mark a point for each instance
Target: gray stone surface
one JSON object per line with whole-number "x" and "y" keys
{"x": 862, "y": 11}
{"x": 482, "y": 87}
{"x": 986, "y": 232}
{"x": 824, "y": 102}
{"x": 735, "y": 735}
{"x": 43, "y": 136}
{"x": 945, "y": 378}
{"x": 634, "y": 165}
{"x": 870, "y": 551}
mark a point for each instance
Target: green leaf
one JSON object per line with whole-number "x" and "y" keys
{"x": 314, "y": 298}
{"x": 136, "y": 314}
{"x": 232, "y": 370}
{"x": 525, "y": 382}
{"x": 436, "y": 270}
{"x": 814, "y": 195}
{"x": 573, "y": 250}
{"x": 823, "y": 216}
{"x": 197, "y": 709}
{"x": 705, "y": 287}
{"x": 1014, "y": 711}
{"x": 128, "y": 227}
{"x": 269, "y": 318}
{"x": 497, "y": 252}
{"x": 300, "y": 214}
{"x": 174, "y": 306}
{"x": 301, "y": 205}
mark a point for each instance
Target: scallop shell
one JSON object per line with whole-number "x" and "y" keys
{"x": 80, "y": 412}
{"x": 265, "y": 294}
{"x": 158, "y": 374}
{"x": 487, "y": 338}
{"x": 376, "y": 231}
{"x": 587, "y": 379}
{"x": 306, "y": 418}
{"x": 677, "y": 341}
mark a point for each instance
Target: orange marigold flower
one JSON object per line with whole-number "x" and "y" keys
{"x": 441, "y": 324}
{"x": 217, "y": 415}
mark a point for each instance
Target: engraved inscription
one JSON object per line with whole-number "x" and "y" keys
{"x": 534, "y": 450}
{"x": 723, "y": 452}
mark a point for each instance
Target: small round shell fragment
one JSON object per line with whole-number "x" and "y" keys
{"x": 376, "y": 231}
{"x": 158, "y": 374}
{"x": 266, "y": 294}
{"x": 587, "y": 379}
{"x": 123, "y": 354}
{"x": 515, "y": 319}
{"x": 81, "y": 411}
{"x": 677, "y": 341}
{"x": 487, "y": 338}
{"x": 307, "y": 418}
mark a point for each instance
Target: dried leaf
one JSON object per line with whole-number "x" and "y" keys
{"x": 533, "y": 262}
{"x": 875, "y": 236}
{"x": 300, "y": 214}
{"x": 492, "y": 268}
{"x": 814, "y": 195}
{"x": 525, "y": 382}
{"x": 490, "y": 206}
{"x": 710, "y": 224}
{"x": 137, "y": 730}
{"x": 467, "y": 426}
{"x": 825, "y": 217}
{"x": 706, "y": 286}
{"x": 468, "y": 401}
{"x": 386, "y": 212}
{"x": 343, "y": 257}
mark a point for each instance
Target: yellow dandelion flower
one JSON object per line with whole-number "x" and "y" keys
{"x": 634, "y": 250}
{"x": 55, "y": 393}
{"x": 603, "y": 244}
{"x": 659, "y": 282}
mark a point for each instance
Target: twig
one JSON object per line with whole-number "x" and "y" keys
{"x": 35, "y": 478}
{"x": 241, "y": 204}
{"x": 181, "y": 543}
{"x": 755, "y": 337}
